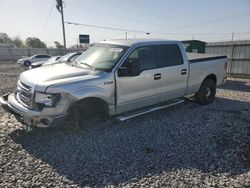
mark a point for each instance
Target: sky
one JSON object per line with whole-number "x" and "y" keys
{"x": 208, "y": 20}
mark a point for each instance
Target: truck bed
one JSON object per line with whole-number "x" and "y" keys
{"x": 204, "y": 63}
{"x": 196, "y": 57}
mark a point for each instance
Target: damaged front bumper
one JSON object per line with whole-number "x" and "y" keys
{"x": 28, "y": 116}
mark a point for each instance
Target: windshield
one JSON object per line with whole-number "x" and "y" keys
{"x": 52, "y": 59}
{"x": 102, "y": 56}
{"x": 65, "y": 57}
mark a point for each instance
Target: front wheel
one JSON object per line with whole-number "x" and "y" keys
{"x": 87, "y": 113}
{"x": 206, "y": 93}
{"x": 27, "y": 63}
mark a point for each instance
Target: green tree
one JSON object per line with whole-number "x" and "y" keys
{"x": 4, "y": 38}
{"x": 58, "y": 44}
{"x": 18, "y": 42}
{"x": 34, "y": 42}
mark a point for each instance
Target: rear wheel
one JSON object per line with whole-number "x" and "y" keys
{"x": 206, "y": 93}
{"x": 27, "y": 63}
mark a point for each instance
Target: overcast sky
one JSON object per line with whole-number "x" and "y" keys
{"x": 209, "y": 20}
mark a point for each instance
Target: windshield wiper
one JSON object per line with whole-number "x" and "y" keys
{"x": 88, "y": 65}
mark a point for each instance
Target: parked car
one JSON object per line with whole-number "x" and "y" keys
{"x": 40, "y": 63}
{"x": 115, "y": 77}
{"x": 70, "y": 57}
{"x": 35, "y": 58}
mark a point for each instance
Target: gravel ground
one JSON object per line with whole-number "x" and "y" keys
{"x": 184, "y": 146}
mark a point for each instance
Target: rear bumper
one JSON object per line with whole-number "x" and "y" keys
{"x": 28, "y": 116}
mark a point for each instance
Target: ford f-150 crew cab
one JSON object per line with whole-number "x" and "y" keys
{"x": 115, "y": 77}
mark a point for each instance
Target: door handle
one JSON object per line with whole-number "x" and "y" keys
{"x": 183, "y": 71}
{"x": 157, "y": 76}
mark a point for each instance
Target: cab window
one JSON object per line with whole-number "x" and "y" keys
{"x": 145, "y": 56}
{"x": 169, "y": 55}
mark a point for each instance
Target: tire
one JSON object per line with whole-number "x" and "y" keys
{"x": 87, "y": 114}
{"x": 27, "y": 63}
{"x": 206, "y": 93}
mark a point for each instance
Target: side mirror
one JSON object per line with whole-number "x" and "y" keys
{"x": 131, "y": 68}
{"x": 124, "y": 71}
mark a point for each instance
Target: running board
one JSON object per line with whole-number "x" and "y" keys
{"x": 141, "y": 112}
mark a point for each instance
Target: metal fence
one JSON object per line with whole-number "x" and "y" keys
{"x": 238, "y": 53}
{"x": 12, "y": 54}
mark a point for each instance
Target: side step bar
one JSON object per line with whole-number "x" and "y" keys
{"x": 155, "y": 108}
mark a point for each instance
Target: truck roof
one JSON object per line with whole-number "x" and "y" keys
{"x": 130, "y": 42}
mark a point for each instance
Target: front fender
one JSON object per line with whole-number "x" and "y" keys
{"x": 90, "y": 91}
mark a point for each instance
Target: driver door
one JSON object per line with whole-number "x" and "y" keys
{"x": 139, "y": 91}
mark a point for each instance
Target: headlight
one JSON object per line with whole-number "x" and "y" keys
{"x": 49, "y": 100}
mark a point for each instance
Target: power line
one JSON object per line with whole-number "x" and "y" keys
{"x": 47, "y": 21}
{"x": 188, "y": 26}
{"x": 151, "y": 23}
{"x": 216, "y": 21}
{"x": 54, "y": 30}
{"x": 131, "y": 10}
{"x": 228, "y": 26}
{"x": 109, "y": 28}
{"x": 115, "y": 16}
{"x": 147, "y": 32}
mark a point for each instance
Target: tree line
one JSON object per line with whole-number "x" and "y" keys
{"x": 30, "y": 42}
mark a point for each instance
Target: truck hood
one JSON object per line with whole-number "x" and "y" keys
{"x": 45, "y": 76}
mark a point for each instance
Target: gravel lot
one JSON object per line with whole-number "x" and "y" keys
{"x": 184, "y": 146}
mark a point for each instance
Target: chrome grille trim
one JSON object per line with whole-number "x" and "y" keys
{"x": 23, "y": 88}
{"x": 22, "y": 97}
{"x": 24, "y": 94}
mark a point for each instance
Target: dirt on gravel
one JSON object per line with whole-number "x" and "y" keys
{"x": 187, "y": 145}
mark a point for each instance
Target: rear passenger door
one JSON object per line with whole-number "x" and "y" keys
{"x": 174, "y": 72}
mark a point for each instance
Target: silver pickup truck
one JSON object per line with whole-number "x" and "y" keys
{"x": 113, "y": 78}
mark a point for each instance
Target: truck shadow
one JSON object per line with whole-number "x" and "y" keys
{"x": 236, "y": 85}
{"x": 156, "y": 143}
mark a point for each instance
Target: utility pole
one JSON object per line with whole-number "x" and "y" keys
{"x": 126, "y": 35}
{"x": 232, "y": 54}
{"x": 59, "y": 7}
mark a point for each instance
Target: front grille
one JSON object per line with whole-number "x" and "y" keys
{"x": 24, "y": 94}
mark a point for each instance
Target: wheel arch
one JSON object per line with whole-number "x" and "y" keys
{"x": 212, "y": 77}
{"x": 99, "y": 104}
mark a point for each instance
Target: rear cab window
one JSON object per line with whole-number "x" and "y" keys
{"x": 168, "y": 55}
